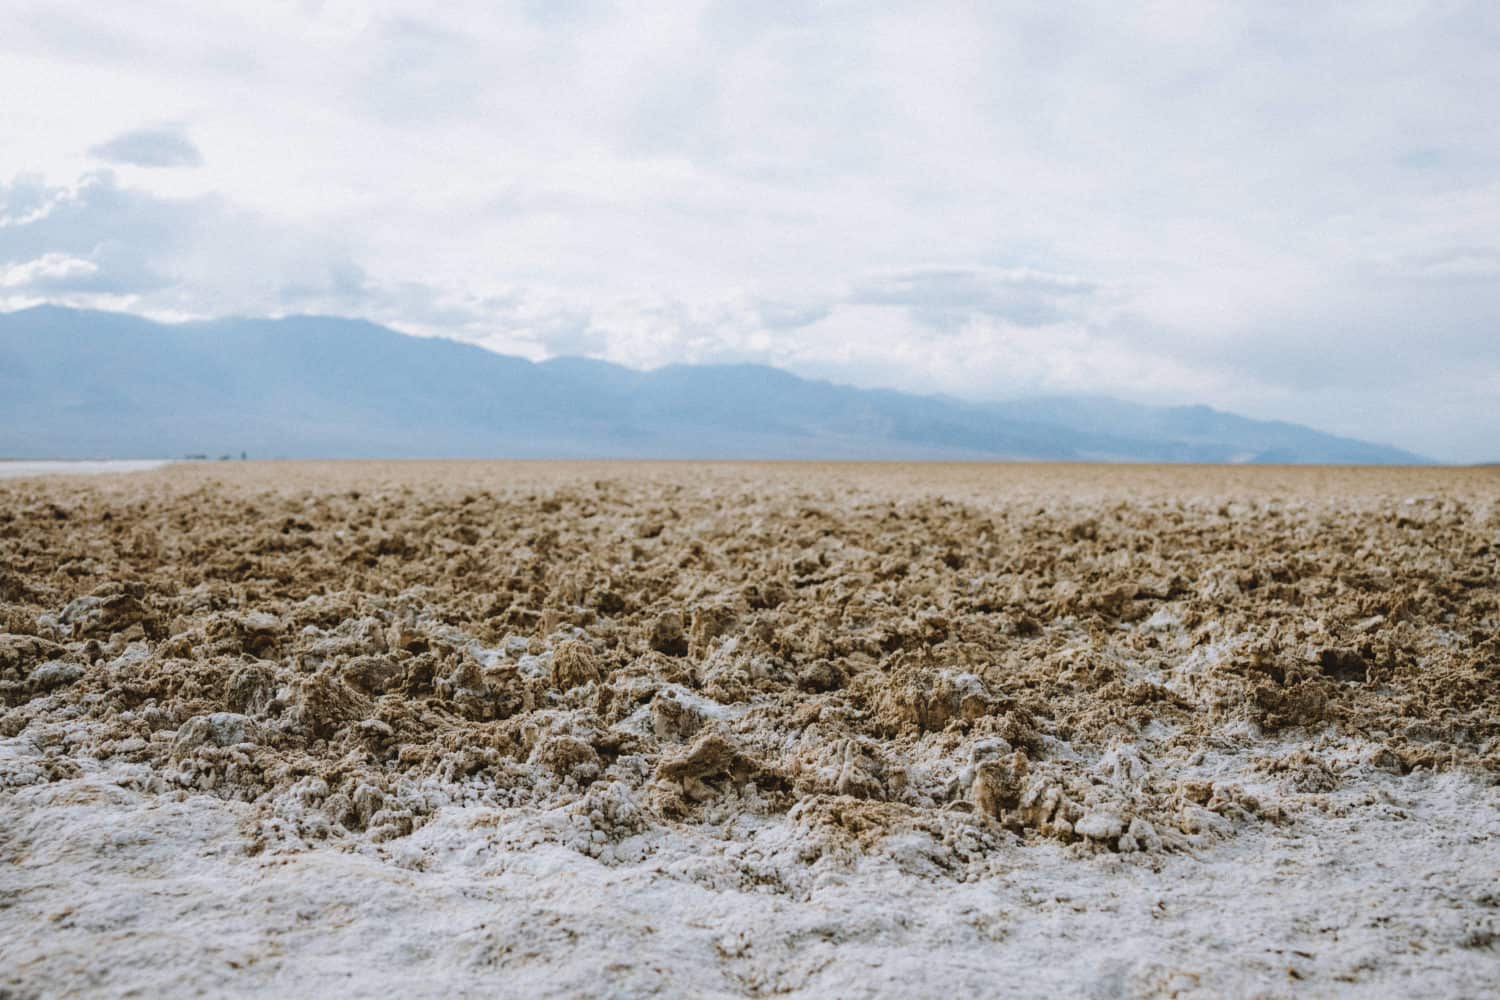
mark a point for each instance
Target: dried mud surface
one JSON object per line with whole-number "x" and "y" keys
{"x": 755, "y": 683}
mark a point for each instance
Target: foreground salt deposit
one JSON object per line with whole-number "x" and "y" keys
{"x": 841, "y": 730}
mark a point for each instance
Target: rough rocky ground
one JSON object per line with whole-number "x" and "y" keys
{"x": 616, "y": 729}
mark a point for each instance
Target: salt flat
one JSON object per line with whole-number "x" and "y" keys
{"x": 730, "y": 729}
{"x": 16, "y": 468}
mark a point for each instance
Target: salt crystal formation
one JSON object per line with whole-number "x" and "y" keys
{"x": 830, "y": 664}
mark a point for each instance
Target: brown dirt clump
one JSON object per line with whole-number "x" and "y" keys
{"x": 977, "y": 652}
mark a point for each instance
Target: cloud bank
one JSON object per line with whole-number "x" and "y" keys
{"x": 1287, "y": 212}
{"x": 149, "y": 147}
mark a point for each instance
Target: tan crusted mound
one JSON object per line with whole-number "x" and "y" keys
{"x": 979, "y": 654}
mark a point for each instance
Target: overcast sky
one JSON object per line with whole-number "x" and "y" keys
{"x": 1285, "y": 210}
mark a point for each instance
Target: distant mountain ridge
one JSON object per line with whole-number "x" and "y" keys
{"x": 82, "y": 384}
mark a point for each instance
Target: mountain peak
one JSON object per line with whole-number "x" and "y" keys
{"x": 77, "y": 383}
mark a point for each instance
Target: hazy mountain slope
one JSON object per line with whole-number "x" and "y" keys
{"x": 1199, "y": 426}
{"x": 82, "y": 384}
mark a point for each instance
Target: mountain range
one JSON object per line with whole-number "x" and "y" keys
{"x": 85, "y": 384}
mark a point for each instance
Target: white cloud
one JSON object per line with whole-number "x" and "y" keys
{"x": 1461, "y": 264}
{"x": 943, "y": 296}
{"x": 47, "y": 272}
{"x": 106, "y": 243}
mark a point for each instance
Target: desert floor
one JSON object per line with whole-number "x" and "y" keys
{"x": 621, "y": 729}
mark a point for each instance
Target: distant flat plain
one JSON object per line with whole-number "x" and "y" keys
{"x": 955, "y": 479}
{"x": 15, "y": 469}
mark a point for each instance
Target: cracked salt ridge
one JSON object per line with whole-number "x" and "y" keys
{"x": 1392, "y": 892}
{"x": 1106, "y": 825}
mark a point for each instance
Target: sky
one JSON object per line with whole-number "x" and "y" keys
{"x": 1286, "y": 210}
